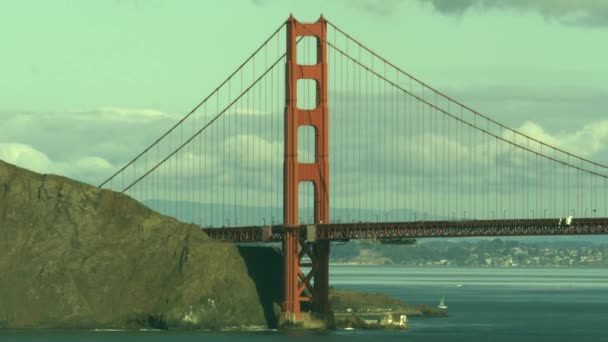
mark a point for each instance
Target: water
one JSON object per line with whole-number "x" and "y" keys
{"x": 483, "y": 304}
{"x": 505, "y": 304}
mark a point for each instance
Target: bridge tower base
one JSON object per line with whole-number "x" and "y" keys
{"x": 301, "y": 252}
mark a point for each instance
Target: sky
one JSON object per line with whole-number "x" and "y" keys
{"x": 85, "y": 85}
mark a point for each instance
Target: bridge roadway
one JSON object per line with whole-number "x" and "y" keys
{"x": 387, "y": 231}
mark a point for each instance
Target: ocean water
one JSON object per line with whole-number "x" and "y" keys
{"x": 484, "y": 304}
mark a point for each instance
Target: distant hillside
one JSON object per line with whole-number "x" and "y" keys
{"x": 73, "y": 255}
{"x": 497, "y": 252}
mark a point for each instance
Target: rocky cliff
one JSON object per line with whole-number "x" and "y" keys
{"x": 73, "y": 255}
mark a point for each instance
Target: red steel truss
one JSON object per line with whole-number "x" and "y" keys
{"x": 423, "y": 229}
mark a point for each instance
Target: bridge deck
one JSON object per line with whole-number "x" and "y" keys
{"x": 419, "y": 229}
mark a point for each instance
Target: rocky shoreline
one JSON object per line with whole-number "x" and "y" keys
{"x": 345, "y": 301}
{"x": 359, "y": 310}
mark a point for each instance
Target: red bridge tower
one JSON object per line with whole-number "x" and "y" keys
{"x": 303, "y": 288}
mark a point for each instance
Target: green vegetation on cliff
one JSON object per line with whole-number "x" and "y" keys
{"x": 75, "y": 256}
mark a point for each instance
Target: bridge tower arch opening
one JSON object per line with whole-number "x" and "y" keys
{"x": 300, "y": 248}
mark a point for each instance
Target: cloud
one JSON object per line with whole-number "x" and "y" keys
{"x": 87, "y": 168}
{"x": 240, "y": 158}
{"x": 250, "y": 111}
{"x": 119, "y": 114}
{"x": 92, "y": 140}
{"x": 252, "y": 151}
{"x": 586, "y": 141}
{"x": 591, "y": 13}
{"x": 579, "y": 12}
{"x": 25, "y": 156}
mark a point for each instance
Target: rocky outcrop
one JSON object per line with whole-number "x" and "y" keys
{"x": 73, "y": 255}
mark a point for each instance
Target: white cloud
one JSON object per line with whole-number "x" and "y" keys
{"x": 111, "y": 134}
{"x": 585, "y": 141}
{"x": 250, "y": 111}
{"x": 120, "y": 114}
{"x": 249, "y": 158}
{"x": 86, "y": 168}
{"x": 25, "y": 156}
{"x": 252, "y": 151}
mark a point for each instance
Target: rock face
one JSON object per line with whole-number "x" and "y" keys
{"x": 265, "y": 267}
{"x": 73, "y": 255}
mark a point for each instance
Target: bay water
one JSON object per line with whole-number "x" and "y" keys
{"x": 484, "y": 304}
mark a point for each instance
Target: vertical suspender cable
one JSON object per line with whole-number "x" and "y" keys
{"x": 208, "y": 188}
{"x": 462, "y": 177}
{"x": 345, "y": 127}
{"x": 410, "y": 201}
{"x": 147, "y": 182}
{"x": 568, "y": 186}
{"x": 449, "y": 166}
{"x": 471, "y": 174}
{"x": 554, "y": 172}
{"x": 216, "y": 173}
{"x": 167, "y": 195}
{"x": 379, "y": 152}
{"x": 500, "y": 177}
{"x": 393, "y": 155}
{"x": 250, "y": 162}
{"x": 226, "y": 158}
{"x": 235, "y": 139}
{"x": 497, "y": 208}
{"x": 419, "y": 163}
{"x": 564, "y": 193}
{"x": 359, "y": 161}
{"x": 247, "y": 208}
{"x": 261, "y": 104}
{"x": 188, "y": 188}
{"x": 175, "y": 186}
{"x": 474, "y": 163}
{"x": 450, "y": 156}
{"x": 383, "y": 121}
{"x": 422, "y": 153}
{"x": 156, "y": 194}
{"x": 594, "y": 187}
{"x": 341, "y": 110}
{"x": 541, "y": 183}
{"x": 527, "y": 179}
{"x": 194, "y": 205}
{"x": 580, "y": 190}
{"x": 510, "y": 185}
{"x": 444, "y": 168}
{"x": 368, "y": 151}
{"x": 487, "y": 180}
{"x": 200, "y": 176}
{"x": 434, "y": 136}
{"x": 179, "y": 174}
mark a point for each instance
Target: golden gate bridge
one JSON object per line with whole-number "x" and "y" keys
{"x": 252, "y": 162}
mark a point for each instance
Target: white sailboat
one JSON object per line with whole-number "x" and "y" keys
{"x": 442, "y": 303}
